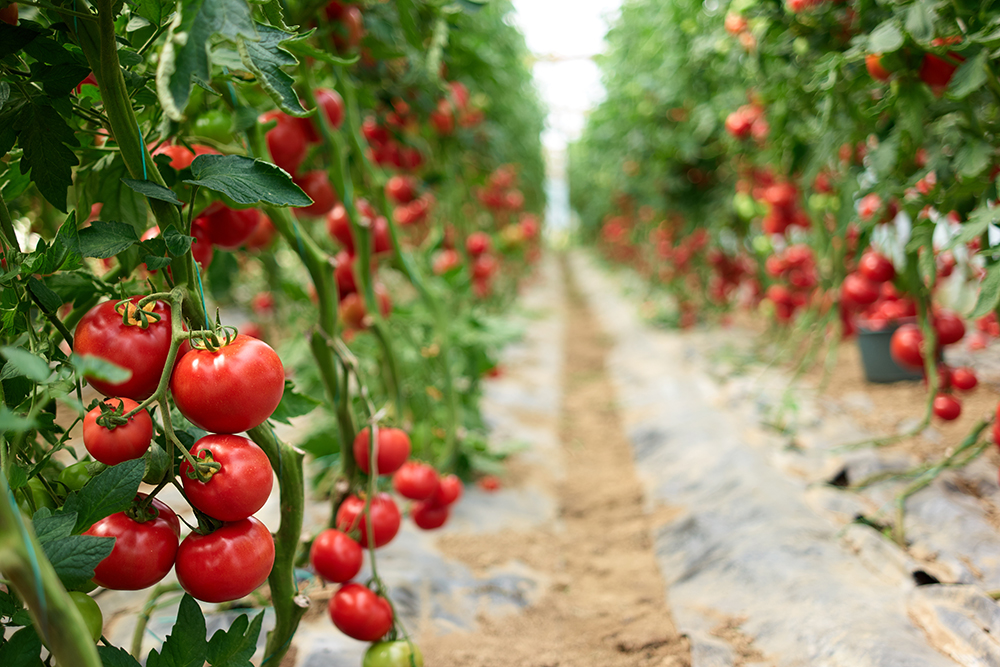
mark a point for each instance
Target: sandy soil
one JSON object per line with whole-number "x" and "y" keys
{"x": 606, "y": 606}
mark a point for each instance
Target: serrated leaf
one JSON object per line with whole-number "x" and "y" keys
{"x": 293, "y": 404}
{"x": 106, "y": 239}
{"x": 53, "y": 527}
{"x": 17, "y": 478}
{"x": 886, "y": 38}
{"x": 177, "y": 243}
{"x": 920, "y": 21}
{"x": 23, "y": 649}
{"x": 969, "y": 77}
{"x": 185, "y": 646}
{"x": 75, "y": 557}
{"x": 100, "y": 369}
{"x": 45, "y": 138}
{"x": 185, "y": 53}
{"x": 274, "y": 14}
{"x": 48, "y": 299}
{"x": 973, "y": 157}
{"x": 305, "y": 49}
{"x": 156, "y": 262}
{"x": 153, "y": 191}
{"x": 27, "y": 364}
{"x": 265, "y": 58}
{"x": 246, "y": 180}
{"x": 110, "y": 491}
{"x": 114, "y": 656}
{"x": 235, "y": 647}
{"x": 989, "y": 293}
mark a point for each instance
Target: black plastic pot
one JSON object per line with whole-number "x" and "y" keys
{"x": 876, "y": 359}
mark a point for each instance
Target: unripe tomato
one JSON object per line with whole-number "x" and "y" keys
{"x": 91, "y": 613}
{"x": 947, "y": 407}
{"x": 226, "y": 564}
{"x": 229, "y": 228}
{"x": 143, "y": 351}
{"x": 239, "y": 488}
{"x": 123, "y": 442}
{"x": 428, "y": 516}
{"x": 360, "y": 613}
{"x": 415, "y": 480}
{"x": 399, "y": 653}
{"x": 335, "y": 556}
{"x": 876, "y": 267}
{"x": 316, "y": 184}
{"x": 393, "y": 449}
{"x": 75, "y": 476}
{"x": 144, "y": 551}
{"x": 214, "y": 124}
{"x": 230, "y": 390}
{"x": 906, "y": 346}
{"x": 449, "y": 490}
{"x": 385, "y": 519}
{"x": 964, "y": 378}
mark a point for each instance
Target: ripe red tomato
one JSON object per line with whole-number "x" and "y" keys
{"x": 964, "y": 378}
{"x": 477, "y": 243}
{"x": 906, "y": 346}
{"x": 239, "y": 488}
{"x": 229, "y": 228}
{"x": 226, "y": 564}
{"x": 949, "y": 326}
{"x": 180, "y": 156}
{"x": 335, "y": 556}
{"x": 489, "y": 483}
{"x": 343, "y": 273}
{"x": 936, "y": 72}
{"x": 286, "y": 142}
{"x": 360, "y": 613}
{"x": 333, "y": 105}
{"x": 338, "y": 224}
{"x": 143, "y": 351}
{"x": 385, "y": 519}
{"x": 230, "y": 390}
{"x": 415, "y": 480}
{"x": 947, "y": 407}
{"x": 444, "y": 261}
{"x": 393, "y": 449}
{"x": 443, "y": 118}
{"x": 859, "y": 291}
{"x": 262, "y": 235}
{"x": 143, "y": 553}
{"x": 427, "y": 515}
{"x": 382, "y": 241}
{"x": 400, "y": 189}
{"x": 449, "y": 490}
{"x": 873, "y": 62}
{"x": 121, "y": 443}
{"x": 484, "y": 266}
{"x": 9, "y": 14}
{"x": 352, "y": 311}
{"x": 349, "y": 28}
{"x": 316, "y": 184}
{"x": 876, "y": 267}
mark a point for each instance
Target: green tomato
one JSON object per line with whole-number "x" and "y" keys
{"x": 393, "y": 654}
{"x": 744, "y": 205}
{"x": 91, "y": 612}
{"x": 75, "y": 476}
{"x": 39, "y": 495}
{"x": 214, "y": 124}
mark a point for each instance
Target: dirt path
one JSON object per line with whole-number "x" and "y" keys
{"x": 606, "y": 603}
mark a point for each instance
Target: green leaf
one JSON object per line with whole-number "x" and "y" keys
{"x": 927, "y": 265}
{"x": 472, "y": 6}
{"x": 405, "y": 9}
{"x": 989, "y": 293}
{"x": 265, "y": 58}
{"x": 14, "y": 423}
{"x": 15, "y": 38}
{"x": 293, "y": 405}
{"x": 305, "y": 49}
{"x": 50, "y": 527}
{"x": 246, "y": 180}
{"x": 106, "y": 239}
{"x": 109, "y": 492}
{"x": 185, "y": 53}
{"x": 100, "y": 369}
{"x": 152, "y": 11}
{"x": 75, "y": 557}
{"x": 920, "y": 237}
{"x": 27, "y": 364}
{"x": 114, "y": 656}
{"x": 177, "y": 243}
{"x": 235, "y": 647}
{"x": 886, "y": 38}
{"x": 153, "y": 191}
{"x": 18, "y": 477}
{"x": 156, "y": 262}
{"x": 48, "y": 299}
{"x": 969, "y": 77}
{"x": 45, "y": 137}
{"x": 920, "y": 21}
{"x": 185, "y": 646}
{"x": 58, "y": 80}
{"x": 973, "y": 157}
{"x": 23, "y": 649}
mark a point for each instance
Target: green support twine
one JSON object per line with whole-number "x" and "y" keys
{"x": 201, "y": 292}
{"x": 142, "y": 145}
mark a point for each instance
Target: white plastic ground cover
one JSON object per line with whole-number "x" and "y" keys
{"x": 744, "y": 548}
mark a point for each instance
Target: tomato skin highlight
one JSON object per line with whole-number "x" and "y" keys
{"x": 101, "y": 333}
{"x": 239, "y": 488}
{"x": 230, "y": 390}
{"x": 143, "y": 553}
{"x": 227, "y": 564}
{"x": 385, "y": 519}
{"x": 122, "y": 443}
{"x": 360, "y": 613}
{"x": 335, "y": 556}
{"x": 393, "y": 449}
